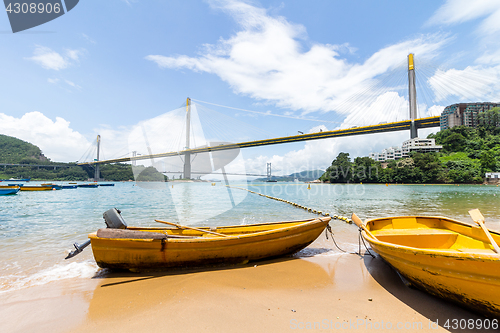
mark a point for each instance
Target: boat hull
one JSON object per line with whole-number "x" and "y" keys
{"x": 9, "y": 191}
{"x": 36, "y": 188}
{"x": 444, "y": 257}
{"x": 245, "y": 243}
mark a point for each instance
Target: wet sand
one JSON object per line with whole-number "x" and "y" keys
{"x": 327, "y": 291}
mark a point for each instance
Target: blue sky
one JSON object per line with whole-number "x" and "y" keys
{"x": 107, "y": 66}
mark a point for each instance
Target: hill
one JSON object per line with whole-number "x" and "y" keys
{"x": 16, "y": 151}
{"x": 34, "y": 165}
{"x": 303, "y": 176}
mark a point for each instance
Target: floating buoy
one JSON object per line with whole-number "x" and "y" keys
{"x": 308, "y": 186}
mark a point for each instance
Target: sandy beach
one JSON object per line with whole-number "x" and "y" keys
{"x": 322, "y": 290}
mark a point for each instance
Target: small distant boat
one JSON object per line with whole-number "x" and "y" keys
{"x": 65, "y": 187}
{"x": 88, "y": 185}
{"x": 15, "y": 180}
{"x": 14, "y": 184}
{"x": 107, "y": 184}
{"x": 36, "y": 188}
{"x": 53, "y": 186}
{"x": 6, "y": 190}
{"x": 119, "y": 246}
{"x": 444, "y": 257}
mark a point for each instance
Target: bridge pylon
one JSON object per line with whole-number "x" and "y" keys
{"x": 412, "y": 96}
{"x": 187, "y": 155}
{"x": 97, "y": 172}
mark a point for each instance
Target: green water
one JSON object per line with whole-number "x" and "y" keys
{"x": 37, "y": 229}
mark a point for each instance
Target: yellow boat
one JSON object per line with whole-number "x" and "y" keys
{"x": 444, "y": 257}
{"x": 150, "y": 248}
{"x": 35, "y": 188}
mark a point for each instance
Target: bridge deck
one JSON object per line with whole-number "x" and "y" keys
{"x": 380, "y": 128}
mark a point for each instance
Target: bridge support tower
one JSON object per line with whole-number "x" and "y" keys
{"x": 96, "y": 172}
{"x": 412, "y": 96}
{"x": 187, "y": 156}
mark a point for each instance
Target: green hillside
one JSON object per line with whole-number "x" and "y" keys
{"x": 34, "y": 165}
{"x": 15, "y": 151}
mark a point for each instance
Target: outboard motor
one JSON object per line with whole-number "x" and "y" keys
{"x": 113, "y": 220}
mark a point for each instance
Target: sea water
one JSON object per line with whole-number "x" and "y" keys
{"x": 37, "y": 229}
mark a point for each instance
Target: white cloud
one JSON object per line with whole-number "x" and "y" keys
{"x": 56, "y": 139}
{"x": 72, "y": 84}
{"x": 53, "y": 81}
{"x": 460, "y": 11}
{"x": 49, "y": 59}
{"x": 74, "y": 54}
{"x": 90, "y": 40}
{"x": 470, "y": 84}
{"x": 267, "y": 61}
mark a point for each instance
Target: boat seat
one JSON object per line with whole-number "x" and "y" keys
{"x": 421, "y": 231}
{"x": 135, "y": 234}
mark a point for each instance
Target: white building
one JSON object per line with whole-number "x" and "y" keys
{"x": 416, "y": 144}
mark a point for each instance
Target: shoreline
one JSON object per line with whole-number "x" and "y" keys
{"x": 322, "y": 287}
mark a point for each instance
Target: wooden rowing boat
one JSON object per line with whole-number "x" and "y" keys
{"x": 150, "y": 248}
{"x": 444, "y": 257}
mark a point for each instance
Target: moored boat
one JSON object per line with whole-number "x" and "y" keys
{"x": 16, "y": 180}
{"x": 36, "y": 188}
{"x": 53, "y": 186}
{"x": 152, "y": 248}
{"x": 88, "y": 185}
{"x": 65, "y": 187}
{"x": 6, "y": 190}
{"x": 444, "y": 257}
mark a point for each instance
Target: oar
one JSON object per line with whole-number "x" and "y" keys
{"x": 192, "y": 228}
{"x": 360, "y": 224}
{"x": 479, "y": 219}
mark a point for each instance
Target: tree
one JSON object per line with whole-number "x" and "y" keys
{"x": 339, "y": 171}
{"x": 454, "y": 142}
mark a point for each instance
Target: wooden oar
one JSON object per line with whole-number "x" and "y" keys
{"x": 476, "y": 215}
{"x": 360, "y": 224}
{"x": 192, "y": 228}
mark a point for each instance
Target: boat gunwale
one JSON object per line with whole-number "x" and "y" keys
{"x": 306, "y": 223}
{"x": 447, "y": 253}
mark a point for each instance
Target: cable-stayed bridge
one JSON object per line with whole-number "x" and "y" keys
{"x": 412, "y": 124}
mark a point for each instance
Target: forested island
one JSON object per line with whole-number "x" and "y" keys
{"x": 468, "y": 153}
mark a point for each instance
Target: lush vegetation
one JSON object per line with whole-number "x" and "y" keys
{"x": 468, "y": 153}
{"x": 13, "y": 150}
